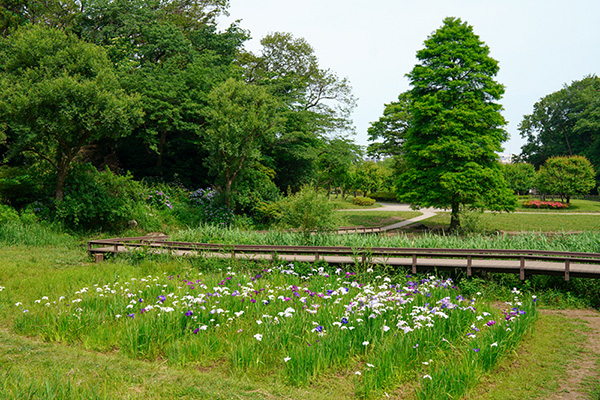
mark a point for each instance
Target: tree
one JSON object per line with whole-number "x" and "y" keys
{"x": 334, "y": 161}
{"x": 564, "y": 123}
{"x": 315, "y": 103}
{"x": 60, "y": 94}
{"x": 566, "y": 177}
{"x": 456, "y": 126}
{"x": 391, "y": 128}
{"x": 241, "y": 118}
{"x": 520, "y": 177}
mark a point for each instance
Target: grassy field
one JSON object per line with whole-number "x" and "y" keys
{"x": 515, "y": 222}
{"x": 375, "y": 218}
{"x": 88, "y": 354}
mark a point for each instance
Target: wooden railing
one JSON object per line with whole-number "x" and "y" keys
{"x": 523, "y": 262}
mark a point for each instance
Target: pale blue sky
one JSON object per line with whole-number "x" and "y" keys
{"x": 540, "y": 44}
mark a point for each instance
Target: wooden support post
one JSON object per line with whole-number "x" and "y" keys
{"x": 414, "y": 264}
{"x": 316, "y": 256}
{"x": 98, "y": 257}
{"x": 567, "y": 270}
{"x": 522, "y": 269}
{"x": 364, "y": 258}
{"x": 469, "y": 263}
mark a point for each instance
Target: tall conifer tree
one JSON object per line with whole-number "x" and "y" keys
{"x": 456, "y": 127}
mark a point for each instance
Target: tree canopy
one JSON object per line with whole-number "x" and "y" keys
{"x": 59, "y": 95}
{"x": 566, "y": 177}
{"x": 456, "y": 126}
{"x": 564, "y": 123}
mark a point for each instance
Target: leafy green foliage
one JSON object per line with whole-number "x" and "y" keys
{"x": 18, "y": 187}
{"x": 565, "y": 122}
{"x": 210, "y": 210}
{"x": 363, "y": 201}
{"x": 97, "y": 200}
{"x": 456, "y": 126}
{"x": 520, "y": 177}
{"x": 241, "y": 118}
{"x": 566, "y": 176}
{"x": 308, "y": 211}
{"x": 61, "y": 94}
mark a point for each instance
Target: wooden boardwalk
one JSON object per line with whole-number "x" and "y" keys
{"x": 521, "y": 262}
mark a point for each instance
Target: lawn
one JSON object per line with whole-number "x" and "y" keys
{"x": 375, "y": 218}
{"x": 557, "y": 221}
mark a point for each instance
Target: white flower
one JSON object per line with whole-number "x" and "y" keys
{"x": 357, "y": 373}
{"x": 425, "y": 363}
{"x": 258, "y": 337}
{"x": 365, "y": 343}
{"x": 386, "y": 328}
{"x": 495, "y": 344}
{"x": 427, "y": 377}
{"x": 18, "y": 304}
{"x": 258, "y": 321}
{"x": 287, "y": 359}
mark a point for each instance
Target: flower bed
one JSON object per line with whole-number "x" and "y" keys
{"x": 555, "y": 205}
{"x": 299, "y": 322}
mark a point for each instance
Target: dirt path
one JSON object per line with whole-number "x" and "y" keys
{"x": 571, "y": 388}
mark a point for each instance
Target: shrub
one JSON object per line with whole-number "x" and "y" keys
{"x": 308, "y": 211}
{"x": 384, "y": 196}
{"x": 556, "y": 205}
{"x": 17, "y": 186}
{"x": 211, "y": 211}
{"x": 363, "y": 201}
{"x": 96, "y": 199}
{"x": 159, "y": 199}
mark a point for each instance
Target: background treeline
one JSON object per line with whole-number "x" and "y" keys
{"x": 102, "y": 102}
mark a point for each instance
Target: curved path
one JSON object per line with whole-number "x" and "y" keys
{"x": 431, "y": 212}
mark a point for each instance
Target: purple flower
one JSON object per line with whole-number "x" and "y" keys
{"x": 319, "y": 329}
{"x": 162, "y": 298}
{"x": 131, "y": 315}
{"x": 188, "y": 313}
{"x": 476, "y": 350}
{"x": 344, "y": 320}
{"x": 490, "y": 322}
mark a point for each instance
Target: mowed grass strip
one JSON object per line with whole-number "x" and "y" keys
{"x": 370, "y": 219}
{"x": 538, "y": 368}
{"x": 515, "y": 222}
{"x": 34, "y": 369}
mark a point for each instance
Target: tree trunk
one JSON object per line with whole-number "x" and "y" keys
{"x": 61, "y": 176}
{"x": 455, "y": 218}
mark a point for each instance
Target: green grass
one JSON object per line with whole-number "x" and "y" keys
{"x": 375, "y": 218}
{"x": 575, "y": 206}
{"x": 513, "y": 222}
{"x": 537, "y": 368}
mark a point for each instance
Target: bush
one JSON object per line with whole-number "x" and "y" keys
{"x": 363, "y": 201}
{"x": 17, "y": 186}
{"x": 97, "y": 199}
{"x": 159, "y": 199}
{"x": 308, "y": 211}
{"x": 210, "y": 210}
{"x": 384, "y": 196}
{"x": 556, "y": 205}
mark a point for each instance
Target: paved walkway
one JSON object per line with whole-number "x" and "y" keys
{"x": 431, "y": 212}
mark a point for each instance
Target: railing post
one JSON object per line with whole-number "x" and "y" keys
{"x": 522, "y": 269}
{"x": 316, "y": 256}
{"x": 469, "y": 263}
{"x": 567, "y": 270}
{"x": 414, "y": 263}
{"x": 364, "y": 258}
{"x": 98, "y": 257}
